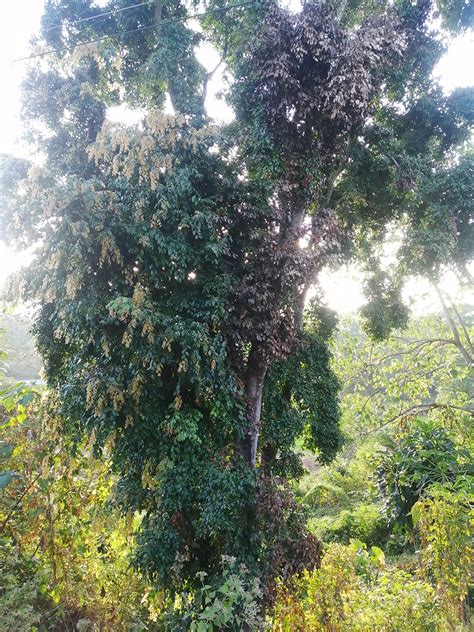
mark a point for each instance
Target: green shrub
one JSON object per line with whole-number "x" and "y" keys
{"x": 397, "y": 602}
{"x": 445, "y": 521}
{"x": 353, "y": 591}
{"x": 421, "y": 457}
{"x": 54, "y": 509}
{"x": 321, "y": 527}
{"x": 319, "y": 600}
{"x": 228, "y": 601}
{"x": 368, "y": 523}
{"x": 364, "y": 522}
{"x": 325, "y": 493}
{"x": 339, "y": 484}
{"x": 23, "y": 607}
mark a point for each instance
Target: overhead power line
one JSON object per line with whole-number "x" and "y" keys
{"x": 100, "y": 15}
{"x": 119, "y": 34}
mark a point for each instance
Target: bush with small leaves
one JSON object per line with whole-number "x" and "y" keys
{"x": 321, "y": 598}
{"x": 445, "y": 520}
{"x": 229, "y": 601}
{"x": 353, "y": 590}
{"x": 364, "y": 521}
{"x": 64, "y": 552}
{"x": 22, "y": 604}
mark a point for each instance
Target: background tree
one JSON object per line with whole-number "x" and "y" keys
{"x": 424, "y": 369}
{"x": 175, "y": 256}
{"x": 23, "y": 362}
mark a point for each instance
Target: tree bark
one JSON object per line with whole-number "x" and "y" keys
{"x": 256, "y": 371}
{"x": 158, "y": 11}
{"x": 341, "y": 10}
{"x": 257, "y": 365}
{"x": 299, "y": 308}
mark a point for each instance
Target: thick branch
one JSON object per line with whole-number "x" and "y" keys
{"x": 462, "y": 323}
{"x": 299, "y": 310}
{"x": 467, "y": 274}
{"x": 158, "y": 11}
{"x": 332, "y": 183}
{"x": 426, "y": 407}
{"x": 341, "y": 10}
{"x": 212, "y": 72}
{"x": 301, "y": 300}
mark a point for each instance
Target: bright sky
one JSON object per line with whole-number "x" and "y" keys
{"x": 19, "y": 19}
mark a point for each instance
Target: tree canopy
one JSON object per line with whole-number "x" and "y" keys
{"x": 174, "y": 256}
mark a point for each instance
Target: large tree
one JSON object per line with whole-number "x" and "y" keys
{"x": 175, "y": 255}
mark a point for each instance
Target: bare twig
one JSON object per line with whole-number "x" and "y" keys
{"x": 212, "y": 72}
{"x": 457, "y": 339}
{"x": 461, "y": 322}
{"x": 341, "y": 10}
{"x": 18, "y": 502}
{"x": 420, "y": 408}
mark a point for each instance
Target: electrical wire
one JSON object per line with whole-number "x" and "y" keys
{"x": 150, "y": 27}
{"x": 100, "y": 15}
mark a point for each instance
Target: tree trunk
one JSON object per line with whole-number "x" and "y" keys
{"x": 256, "y": 370}
{"x": 299, "y": 309}
{"x": 158, "y": 11}
{"x": 170, "y": 80}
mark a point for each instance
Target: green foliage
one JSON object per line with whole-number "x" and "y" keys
{"x": 363, "y": 521}
{"x": 228, "y": 601}
{"x": 426, "y": 368}
{"x": 356, "y": 588}
{"x": 399, "y": 601}
{"x": 354, "y": 591}
{"x": 325, "y": 594}
{"x": 65, "y": 551}
{"x": 170, "y": 275}
{"x": 401, "y": 175}
{"x": 445, "y": 520}
{"x": 420, "y": 457}
{"x": 385, "y": 310}
{"x": 351, "y": 498}
{"x": 341, "y": 503}
{"x": 325, "y": 493}
{"x": 300, "y": 399}
{"x": 431, "y": 241}
{"x": 22, "y": 606}
{"x": 368, "y": 562}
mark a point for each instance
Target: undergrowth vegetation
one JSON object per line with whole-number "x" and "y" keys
{"x": 64, "y": 549}
{"x": 354, "y": 590}
{"x": 394, "y": 513}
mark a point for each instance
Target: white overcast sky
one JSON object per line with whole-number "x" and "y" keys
{"x": 19, "y": 19}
